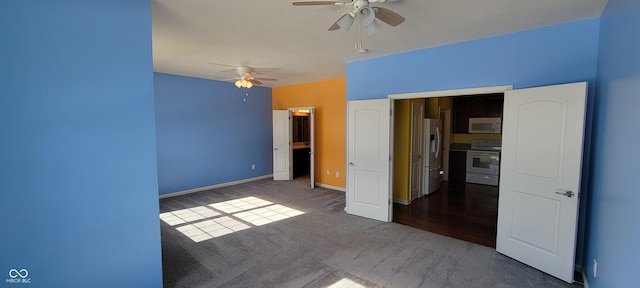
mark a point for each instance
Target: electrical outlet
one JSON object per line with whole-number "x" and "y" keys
{"x": 337, "y": 174}
{"x": 328, "y": 172}
{"x": 253, "y": 166}
{"x": 595, "y": 268}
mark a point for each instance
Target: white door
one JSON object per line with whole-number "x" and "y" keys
{"x": 417, "y": 116}
{"x": 540, "y": 176}
{"x": 369, "y": 159}
{"x": 281, "y": 145}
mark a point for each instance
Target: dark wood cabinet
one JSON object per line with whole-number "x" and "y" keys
{"x": 495, "y": 104}
{"x": 479, "y": 106}
{"x": 461, "y": 113}
{"x": 301, "y": 162}
{"x": 485, "y": 106}
{"x": 457, "y": 166}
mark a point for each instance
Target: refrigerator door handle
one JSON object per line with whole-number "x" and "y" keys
{"x": 437, "y": 142}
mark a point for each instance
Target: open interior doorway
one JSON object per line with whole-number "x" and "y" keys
{"x": 302, "y": 143}
{"x": 293, "y": 144}
{"x": 458, "y": 209}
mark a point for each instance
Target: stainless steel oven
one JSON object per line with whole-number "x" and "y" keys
{"x": 483, "y": 162}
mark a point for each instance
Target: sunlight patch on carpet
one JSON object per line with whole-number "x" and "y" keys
{"x": 217, "y": 219}
{"x": 346, "y": 283}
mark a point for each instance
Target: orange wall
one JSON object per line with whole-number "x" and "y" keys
{"x": 330, "y": 101}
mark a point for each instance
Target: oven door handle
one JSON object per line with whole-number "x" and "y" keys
{"x": 476, "y": 153}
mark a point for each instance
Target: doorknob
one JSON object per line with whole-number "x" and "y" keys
{"x": 566, "y": 193}
{"x": 276, "y": 149}
{"x": 351, "y": 164}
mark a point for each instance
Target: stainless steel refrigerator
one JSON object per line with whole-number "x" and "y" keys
{"x": 432, "y": 155}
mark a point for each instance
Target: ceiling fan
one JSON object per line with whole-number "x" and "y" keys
{"x": 245, "y": 78}
{"x": 361, "y": 12}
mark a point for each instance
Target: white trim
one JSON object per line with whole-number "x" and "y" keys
{"x": 331, "y": 187}
{"x": 194, "y": 190}
{"x": 400, "y": 201}
{"x": 453, "y": 92}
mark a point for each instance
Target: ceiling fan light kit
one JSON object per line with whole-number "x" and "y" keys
{"x": 243, "y": 84}
{"x": 361, "y": 12}
{"x": 373, "y": 27}
{"x": 245, "y": 79}
{"x": 366, "y": 15}
{"x": 345, "y": 22}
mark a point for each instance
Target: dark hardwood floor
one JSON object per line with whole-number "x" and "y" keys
{"x": 461, "y": 210}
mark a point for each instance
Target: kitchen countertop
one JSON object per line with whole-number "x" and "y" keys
{"x": 459, "y": 147}
{"x": 300, "y": 145}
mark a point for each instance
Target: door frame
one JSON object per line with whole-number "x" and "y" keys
{"x": 312, "y": 137}
{"x": 447, "y": 93}
{"x": 452, "y": 92}
{"x": 392, "y": 98}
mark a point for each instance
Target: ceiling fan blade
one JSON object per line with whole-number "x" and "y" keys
{"x": 226, "y": 71}
{"x": 220, "y": 64}
{"x": 387, "y": 16}
{"x": 334, "y": 26}
{"x": 310, "y": 3}
{"x": 346, "y": 24}
{"x": 265, "y": 79}
{"x": 263, "y": 70}
{"x": 254, "y": 81}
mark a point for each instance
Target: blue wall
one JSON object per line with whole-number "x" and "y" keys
{"x": 210, "y": 132}
{"x": 613, "y": 231}
{"x": 79, "y": 202}
{"x": 552, "y": 55}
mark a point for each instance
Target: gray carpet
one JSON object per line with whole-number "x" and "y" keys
{"x": 323, "y": 247}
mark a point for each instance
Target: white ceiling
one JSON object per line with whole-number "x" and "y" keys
{"x": 188, "y": 34}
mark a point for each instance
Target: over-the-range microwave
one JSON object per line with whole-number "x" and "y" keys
{"x": 485, "y": 125}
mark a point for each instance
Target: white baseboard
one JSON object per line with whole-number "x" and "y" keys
{"x": 331, "y": 187}
{"x": 400, "y": 201}
{"x": 194, "y": 190}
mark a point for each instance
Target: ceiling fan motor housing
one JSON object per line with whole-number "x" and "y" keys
{"x": 243, "y": 69}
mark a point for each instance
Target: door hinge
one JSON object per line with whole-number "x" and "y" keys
{"x": 389, "y": 202}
